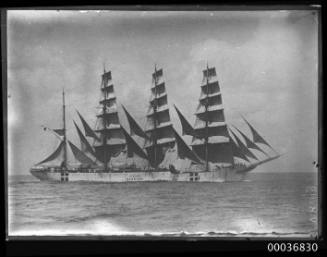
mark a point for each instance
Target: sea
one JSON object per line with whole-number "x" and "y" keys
{"x": 281, "y": 204}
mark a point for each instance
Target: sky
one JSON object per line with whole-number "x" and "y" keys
{"x": 266, "y": 62}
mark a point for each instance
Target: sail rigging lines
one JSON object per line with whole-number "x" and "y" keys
{"x": 257, "y": 138}
{"x": 211, "y": 139}
{"x": 57, "y": 132}
{"x": 237, "y": 151}
{"x": 159, "y": 128}
{"x": 184, "y": 151}
{"x": 214, "y": 144}
{"x": 109, "y": 130}
{"x": 80, "y": 155}
{"x": 55, "y": 154}
{"x": 249, "y": 143}
{"x": 135, "y": 128}
{"x": 133, "y": 147}
{"x": 187, "y": 128}
{"x": 243, "y": 148}
{"x": 85, "y": 145}
{"x": 87, "y": 129}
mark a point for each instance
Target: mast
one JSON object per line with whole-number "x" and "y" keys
{"x": 109, "y": 130}
{"x": 206, "y": 122}
{"x": 159, "y": 129}
{"x": 64, "y": 125}
{"x": 104, "y": 140}
{"x": 154, "y": 117}
{"x": 211, "y": 138}
{"x": 61, "y": 150}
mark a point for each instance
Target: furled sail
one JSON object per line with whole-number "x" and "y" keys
{"x": 249, "y": 143}
{"x": 256, "y": 136}
{"x": 88, "y": 131}
{"x": 109, "y": 130}
{"x": 186, "y": 126}
{"x": 184, "y": 151}
{"x": 211, "y": 139}
{"x": 79, "y": 155}
{"x": 133, "y": 147}
{"x": 85, "y": 145}
{"x": 243, "y": 147}
{"x": 55, "y": 154}
{"x": 159, "y": 129}
{"x": 134, "y": 127}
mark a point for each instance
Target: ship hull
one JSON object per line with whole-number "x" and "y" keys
{"x": 221, "y": 175}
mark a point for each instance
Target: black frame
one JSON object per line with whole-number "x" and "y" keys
{"x": 102, "y": 245}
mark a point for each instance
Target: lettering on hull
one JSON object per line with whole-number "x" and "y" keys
{"x": 134, "y": 178}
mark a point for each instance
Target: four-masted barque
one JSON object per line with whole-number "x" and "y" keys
{"x": 111, "y": 153}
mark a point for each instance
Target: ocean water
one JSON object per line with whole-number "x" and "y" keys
{"x": 265, "y": 204}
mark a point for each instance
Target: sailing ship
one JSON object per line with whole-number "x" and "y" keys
{"x": 109, "y": 153}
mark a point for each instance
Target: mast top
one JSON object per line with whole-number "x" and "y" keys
{"x": 104, "y": 67}
{"x": 63, "y": 95}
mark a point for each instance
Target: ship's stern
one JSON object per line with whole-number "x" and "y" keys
{"x": 45, "y": 174}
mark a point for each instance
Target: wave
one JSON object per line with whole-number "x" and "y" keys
{"x": 242, "y": 234}
{"x": 108, "y": 229}
{"x": 99, "y": 216}
{"x": 95, "y": 227}
{"x": 104, "y": 226}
